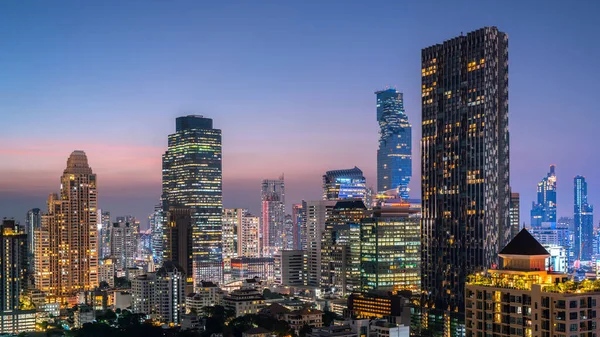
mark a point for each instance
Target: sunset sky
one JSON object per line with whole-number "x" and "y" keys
{"x": 291, "y": 84}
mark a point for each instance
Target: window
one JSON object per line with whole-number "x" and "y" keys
{"x": 573, "y": 327}
{"x": 573, "y": 315}
{"x": 573, "y": 304}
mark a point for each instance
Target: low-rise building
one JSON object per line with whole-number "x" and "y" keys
{"x": 207, "y": 294}
{"x": 84, "y": 314}
{"x": 394, "y": 307}
{"x": 122, "y": 299}
{"x": 299, "y": 318}
{"x": 251, "y": 267}
{"x": 334, "y": 331}
{"x": 525, "y": 299}
{"x": 244, "y": 301}
{"x": 16, "y": 322}
{"x": 382, "y": 328}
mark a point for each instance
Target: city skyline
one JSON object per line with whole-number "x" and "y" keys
{"x": 125, "y": 144}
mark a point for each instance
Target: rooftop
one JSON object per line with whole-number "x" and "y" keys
{"x": 524, "y": 244}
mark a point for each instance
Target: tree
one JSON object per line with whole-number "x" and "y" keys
{"x": 329, "y": 317}
{"x": 103, "y": 285}
{"x": 122, "y": 282}
{"x": 269, "y": 295}
{"x": 306, "y": 329}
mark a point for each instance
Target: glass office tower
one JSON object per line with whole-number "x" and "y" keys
{"x": 394, "y": 156}
{"x": 192, "y": 178}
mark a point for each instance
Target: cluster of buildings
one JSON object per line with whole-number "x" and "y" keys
{"x": 455, "y": 262}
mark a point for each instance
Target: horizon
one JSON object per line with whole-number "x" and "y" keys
{"x": 291, "y": 95}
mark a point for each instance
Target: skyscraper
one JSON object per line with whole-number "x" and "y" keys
{"x": 465, "y": 167}
{"x": 584, "y": 221}
{"x": 104, "y": 234}
{"x": 297, "y": 218}
{"x": 394, "y": 156}
{"x": 341, "y": 246}
{"x": 317, "y": 213}
{"x": 192, "y": 178}
{"x": 32, "y": 223}
{"x": 515, "y": 213}
{"x": 13, "y": 271}
{"x": 544, "y": 210}
{"x": 249, "y": 240}
{"x": 66, "y": 251}
{"x": 343, "y": 184}
{"x": 157, "y": 223}
{"x": 273, "y": 215}
{"x": 232, "y": 224}
{"x": 123, "y": 244}
{"x": 390, "y": 255}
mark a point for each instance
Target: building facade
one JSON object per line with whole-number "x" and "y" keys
{"x": 341, "y": 246}
{"x": 344, "y": 184}
{"x": 33, "y": 222}
{"x": 522, "y": 298}
{"x": 289, "y": 267}
{"x": 192, "y": 178}
{"x": 394, "y": 156}
{"x": 249, "y": 244}
{"x": 250, "y": 267}
{"x": 298, "y": 217}
{"x": 465, "y": 167}
{"x": 583, "y": 217}
{"x": 157, "y": 223}
{"x": 66, "y": 247}
{"x": 273, "y": 215}
{"x": 123, "y": 244}
{"x": 317, "y": 213}
{"x": 544, "y": 209}
{"x": 390, "y": 249}
{"x": 13, "y": 264}
{"x": 231, "y": 232}
{"x": 515, "y": 214}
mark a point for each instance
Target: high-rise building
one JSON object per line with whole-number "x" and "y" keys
{"x": 273, "y": 215}
{"x": 289, "y": 267}
{"x": 33, "y": 222}
{"x": 66, "y": 251}
{"x": 13, "y": 264}
{"x": 288, "y": 232}
{"x": 299, "y": 217}
{"x": 317, "y": 213}
{"x": 250, "y": 267}
{"x": 104, "y": 234}
{"x": 231, "y": 229}
{"x": 13, "y": 273}
{"x": 192, "y": 178}
{"x": 249, "y": 238}
{"x": 522, "y": 298}
{"x": 515, "y": 214}
{"x": 390, "y": 254}
{"x": 123, "y": 245}
{"x": 177, "y": 238}
{"x": 341, "y": 246}
{"x": 169, "y": 293}
{"x": 343, "y": 184}
{"x": 544, "y": 210}
{"x": 583, "y": 215}
{"x": 465, "y": 167}
{"x": 394, "y": 156}
{"x": 157, "y": 224}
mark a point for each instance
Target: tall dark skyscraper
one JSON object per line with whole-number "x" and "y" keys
{"x": 544, "y": 210}
{"x": 583, "y": 214}
{"x": 192, "y": 178}
{"x": 465, "y": 166}
{"x": 394, "y": 156}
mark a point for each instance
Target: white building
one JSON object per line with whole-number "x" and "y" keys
{"x": 208, "y": 294}
{"x": 123, "y": 244}
{"x": 244, "y": 301}
{"x": 558, "y": 259}
{"x": 289, "y": 267}
{"x": 142, "y": 293}
{"x": 249, "y": 241}
{"x": 83, "y": 314}
{"x": 122, "y": 299}
{"x": 169, "y": 293}
{"x": 317, "y": 213}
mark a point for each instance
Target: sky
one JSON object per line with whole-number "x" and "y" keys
{"x": 290, "y": 83}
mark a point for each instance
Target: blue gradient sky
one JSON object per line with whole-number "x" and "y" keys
{"x": 290, "y": 84}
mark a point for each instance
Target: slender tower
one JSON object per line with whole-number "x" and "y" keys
{"x": 465, "y": 168}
